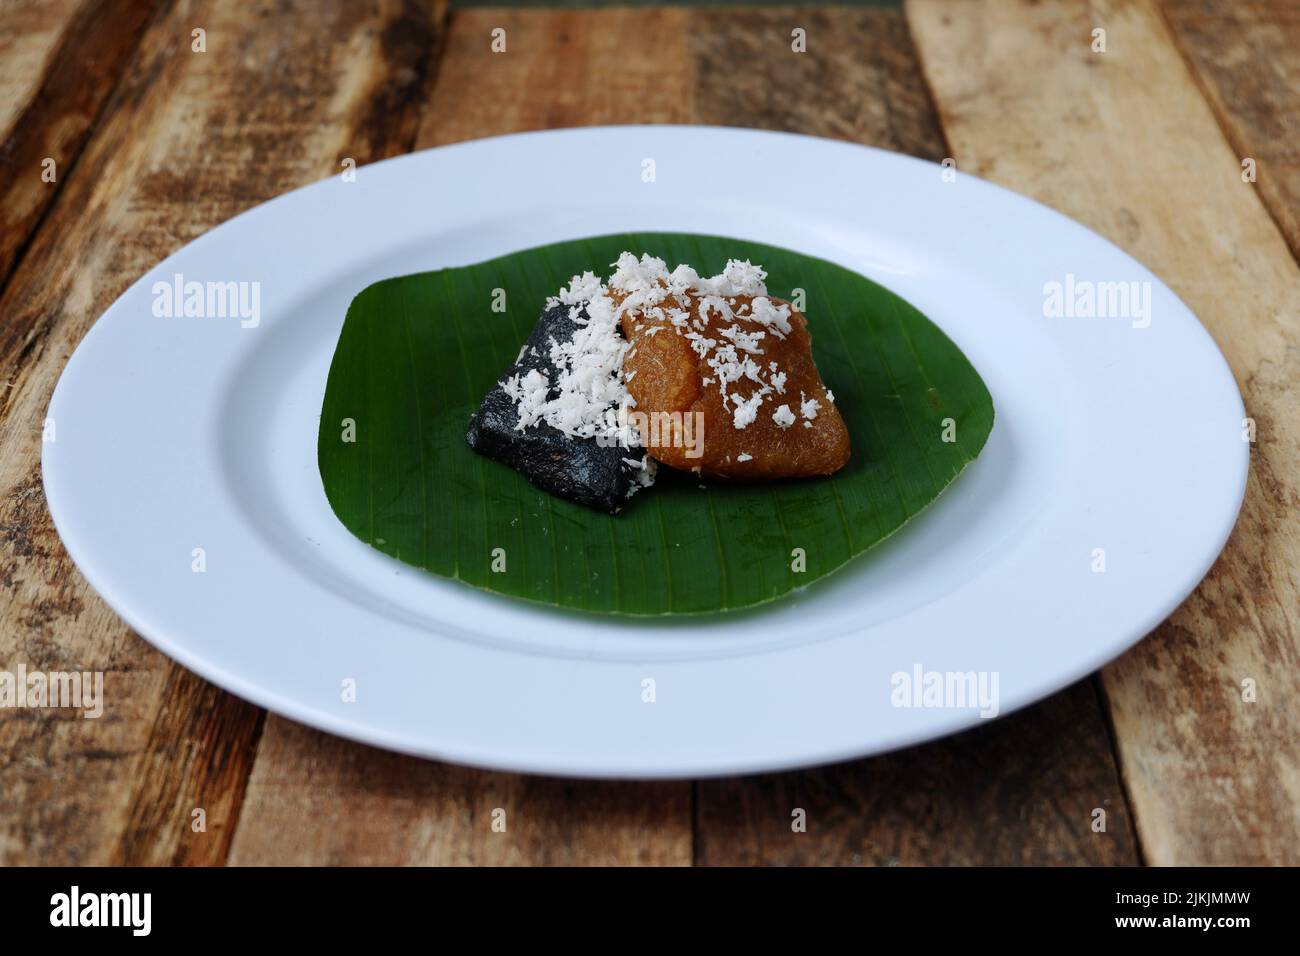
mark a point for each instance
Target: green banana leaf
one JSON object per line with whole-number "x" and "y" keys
{"x": 417, "y": 354}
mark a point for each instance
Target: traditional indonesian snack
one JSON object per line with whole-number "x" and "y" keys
{"x": 707, "y": 375}
{"x": 721, "y": 356}
{"x": 554, "y": 417}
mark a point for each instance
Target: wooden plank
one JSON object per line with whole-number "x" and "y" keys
{"x": 1124, "y": 142}
{"x": 1024, "y": 790}
{"x": 571, "y": 68}
{"x": 43, "y": 129}
{"x": 559, "y": 68}
{"x": 190, "y": 140}
{"x": 320, "y": 800}
{"x": 1246, "y": 56}
{"x": 859, "y": 79}
{"x": 30, "y": 33}
{"x": 190, "y": 776}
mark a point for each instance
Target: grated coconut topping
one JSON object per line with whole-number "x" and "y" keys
{"x": 589, "y": 397}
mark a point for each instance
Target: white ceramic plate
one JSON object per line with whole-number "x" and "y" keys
{"x": 175, "y": 434}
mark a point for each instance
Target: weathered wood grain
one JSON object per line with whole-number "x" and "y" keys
{"x": 563, "y": 68}
{"x": 58, "y": 76}
{"x": 188, "y": 140}
{"x": 559, "y": 68}
{"x": 858, "y": 79}
{"x": 30, "y": 32}
{"x": 1025, "y": 790}
{"x": 1125, "y": 142}
{"x": 1246, "y": 56}
{"x": 190, "y": 778}
{"x": 320, "y": 800}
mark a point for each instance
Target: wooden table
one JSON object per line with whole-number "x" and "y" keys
{"x": 154, "y": 143}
